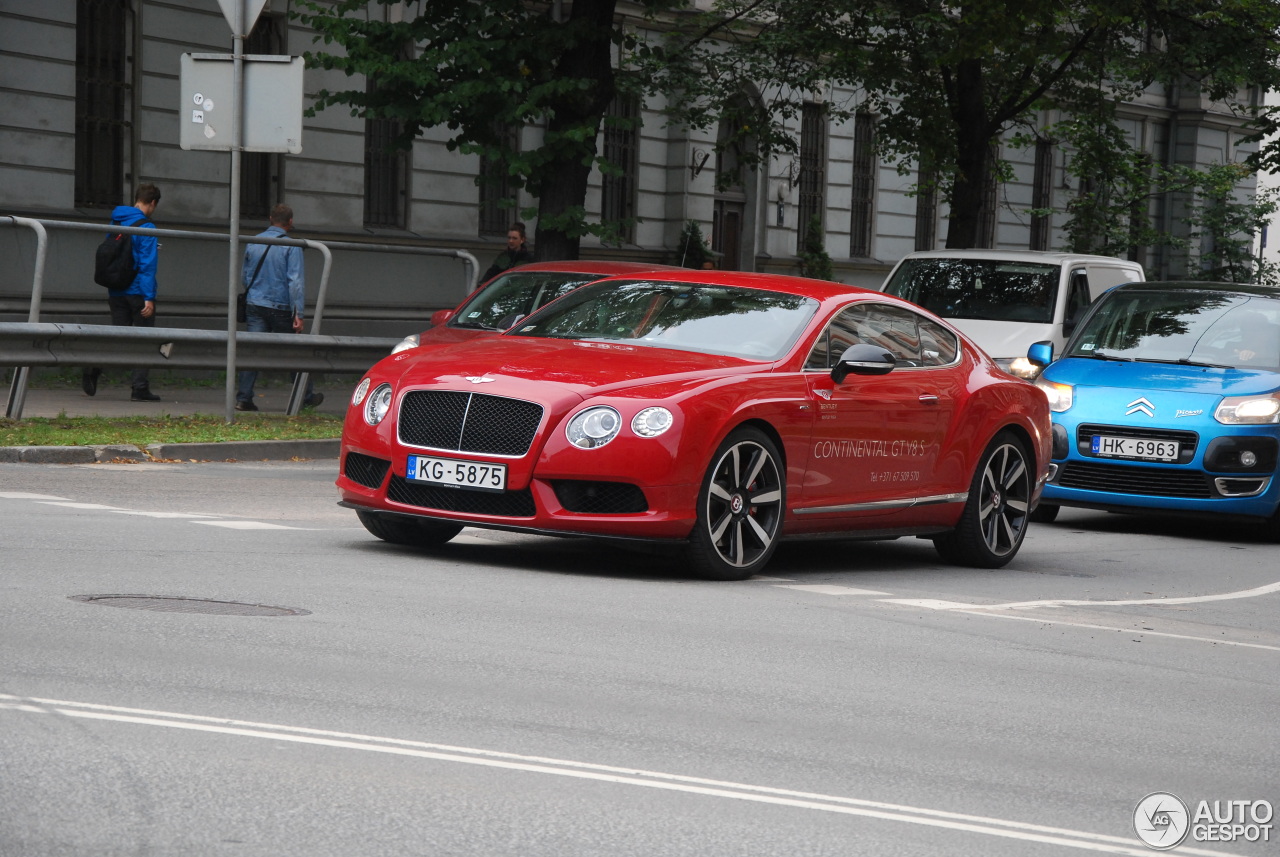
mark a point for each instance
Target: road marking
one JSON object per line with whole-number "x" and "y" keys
{"x": 248, "y": 525}
{"x": 827, "y": 589}
{"x": 73, "y": 505}
{"x": 26, "y": 495}
{"x": 179, "y": 515}
{"x": 49, "y": 500}
{"x": 1024, "y": 831}
{"x": 1141, "y": 602}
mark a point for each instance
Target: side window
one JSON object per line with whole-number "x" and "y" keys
{"x": 938, "y": 346}
{"x": 894, "y": 330}
{"x": 1077, "y": 296}
{"x": 841, "y": 333}
{"x": 913, "y": 340}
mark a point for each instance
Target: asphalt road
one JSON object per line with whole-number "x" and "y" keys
{"x": 515, "y": 695}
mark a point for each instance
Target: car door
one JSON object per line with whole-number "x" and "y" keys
{"x": 876, "y": 440}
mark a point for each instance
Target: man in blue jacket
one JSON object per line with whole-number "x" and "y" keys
{"x": 276, "y": 297}
{"x": 135, "y": 306}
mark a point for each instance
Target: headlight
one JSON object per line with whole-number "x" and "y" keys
{"x": 378, "y": 404}
{"x": 1060, "y": 395}
{"x": 651, "y": 422}
{"x": 1248, "y": 410}
{"x": 358, "y": 396}
{"x": 594, "y": 427}
{"x": 1023, "y": 368}
{"x": 410, "y": 341}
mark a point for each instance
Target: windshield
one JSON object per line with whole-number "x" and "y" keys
{"x": 737, "y": 322}
{"x": 1214, "y": 328}
{"x": 979, "y": 288}
{"x": 510, "y": 297}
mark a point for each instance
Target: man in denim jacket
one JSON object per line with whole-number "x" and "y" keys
{"x": 276, "y": 297}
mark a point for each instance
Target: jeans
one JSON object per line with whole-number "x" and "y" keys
{"x": 126, "y": 311}
{"x": 261, "y": 319}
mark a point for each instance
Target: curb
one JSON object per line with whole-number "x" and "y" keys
{"x": 238, "y": 450}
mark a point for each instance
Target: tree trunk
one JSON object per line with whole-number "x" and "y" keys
{"x": 973, "y": 161}
{"x": 574, "y": 127}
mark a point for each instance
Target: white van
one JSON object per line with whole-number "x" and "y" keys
{"x": 1005, "y": 300}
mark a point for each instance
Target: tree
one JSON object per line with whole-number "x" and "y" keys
{"x": 478, "y": 68}
{"x": 815, "y": 262}
{"x": 693, "y": 247}
{"x": 947, "y": 81}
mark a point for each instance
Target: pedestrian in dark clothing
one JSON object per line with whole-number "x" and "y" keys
{"x": 276, "y": 285}
{"x": 135, "y": 306}
{"x": 517, "y": 253}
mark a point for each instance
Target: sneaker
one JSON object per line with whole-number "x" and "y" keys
{"x": 89, "y": 381}
{"x": 242, "y": 405}
{"x": 144, "y": 395}
{"x": 313, "y": 401}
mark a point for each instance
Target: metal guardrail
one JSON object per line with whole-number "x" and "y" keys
{"x": 229, "y": 339}
{"x": 25, "y": 345}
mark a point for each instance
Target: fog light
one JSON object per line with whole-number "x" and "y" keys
{"x": 1248, "y": 458}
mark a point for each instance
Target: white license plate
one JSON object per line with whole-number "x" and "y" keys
{"x": 478, "y": 475}
{"x": 1133, "y": 447}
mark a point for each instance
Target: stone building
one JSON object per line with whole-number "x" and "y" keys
{"x": 89, "y": 107}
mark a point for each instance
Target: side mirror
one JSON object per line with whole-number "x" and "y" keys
{"x": 441, "y": 316}
{"x": 1040, "y": 353}
{"x": 863, "y": 359}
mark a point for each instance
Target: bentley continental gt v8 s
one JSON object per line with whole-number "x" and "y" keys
{"x": 1168, "y": 398}
{"x": 716, "y": 412}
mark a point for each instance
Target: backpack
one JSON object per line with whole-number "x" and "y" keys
{"x": 113, "y": 262}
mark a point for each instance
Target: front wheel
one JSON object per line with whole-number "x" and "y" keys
{"x": 400, "y": 530}
{"x": 994, "y": 521}
{"x": 740, "y": 508}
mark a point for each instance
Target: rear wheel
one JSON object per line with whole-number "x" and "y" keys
{"x": 408, "y": 531}
{"x": 1045, "y": 513}
{"x": 994, "y": 521}
{"x": 740, "y": 508}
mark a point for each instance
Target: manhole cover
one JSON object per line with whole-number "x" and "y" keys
{"x": 172, "y": 604}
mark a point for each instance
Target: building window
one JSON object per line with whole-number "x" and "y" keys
{"x": 497, "y": 190}
{"x": 862, "y": 202}
{"x": 926, "y": 209}
{"x": 260, "y": 171}
{"x": 1041, "y": 194}
{"x": 621, "y": 149}
{"x": 102, "y": 100}
{"x": 813, "y": 168}
{"x": 385, "y": 172}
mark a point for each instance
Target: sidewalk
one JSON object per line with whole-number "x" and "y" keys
{"x": 113, "y": 400}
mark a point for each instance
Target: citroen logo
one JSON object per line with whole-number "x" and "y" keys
{"x": 1141, "y": 406}
{"x": 478, "y": 379}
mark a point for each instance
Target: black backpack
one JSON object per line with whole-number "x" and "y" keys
{"x": 113, "y": 262}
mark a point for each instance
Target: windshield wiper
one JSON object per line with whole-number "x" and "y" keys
{"x": 1102, "y": 355}
{"x": 1187, "y": 361}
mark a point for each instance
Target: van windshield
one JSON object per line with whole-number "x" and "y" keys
{"x": 979, "y": 288}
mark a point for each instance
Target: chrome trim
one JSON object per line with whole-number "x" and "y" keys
{"x": 960, "y": 497}
{"x": 1263, "y": 483}
{"x": 1051, "y": 473}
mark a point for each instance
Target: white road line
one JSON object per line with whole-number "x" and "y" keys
{"x": 179, "y": 515}
{"x": 73, "y": 505}
{"x": 1190, "y": 599}
{"x": 1027, "y": 832}
{"x": 26, "y": 495}
{"x": 247, "y": 525}
{"x": 828, "y": 589}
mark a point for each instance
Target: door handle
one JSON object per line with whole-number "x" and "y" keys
{"x": 928, "y": 399}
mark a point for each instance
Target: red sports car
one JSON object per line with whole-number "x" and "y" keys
{"x": 501, "y": 301}
{"x": 717, "y": 412}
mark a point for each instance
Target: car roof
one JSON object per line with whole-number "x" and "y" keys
{"x": 592, "y": 266}
{"x": 818, "y": 289}
{"x": 1200, "y": 286}
{"x": 1041, "y": 256}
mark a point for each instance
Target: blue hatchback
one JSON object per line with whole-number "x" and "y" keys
{"x": 1167, "y": 397}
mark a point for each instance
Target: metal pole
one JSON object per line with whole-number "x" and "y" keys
{"x": 18, "y": 386}
{"x": 237, "y": 144}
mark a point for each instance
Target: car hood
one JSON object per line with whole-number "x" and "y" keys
{"x": 587, "y": 368}
{"x": 1163, "y": 377}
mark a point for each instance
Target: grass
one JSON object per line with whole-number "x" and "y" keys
{"x": 142, "y": 430}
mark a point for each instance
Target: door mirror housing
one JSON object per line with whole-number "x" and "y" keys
{"x": 863, "y": 359}
{"x": 1040, "y": 353}
{"x": 441, "y": 316}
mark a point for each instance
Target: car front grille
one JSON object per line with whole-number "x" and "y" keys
{"x": 599, "y": 498}
{"x": 1187, "y": 440}
{"x": 506, "y": 504}
{"x": 468, "y": 422}
{"x": 1127, "y": 479}
{"x": 365, "y": 469}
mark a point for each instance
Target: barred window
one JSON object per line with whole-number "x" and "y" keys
{"x": 621, "y": 149}
{"x": 813, "y": 167}
{"x": 102, "y": 101}
{"x": 497, "y": 190}
{"x": 385, "y": 173}
{"x": 862, "y": 203}
{"x": 260, "y": 171}
{"x": 926, "y": 209}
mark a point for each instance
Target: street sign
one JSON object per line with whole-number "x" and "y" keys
{"x": 252, "y": 9}
{"x": 272, "y": 103}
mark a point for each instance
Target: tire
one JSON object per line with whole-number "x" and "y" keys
{"x": 994, "y": 521}
{"x": 740, "y": 508}
{"x": 1045, "y": 513}
{"x": 407, "y": 531}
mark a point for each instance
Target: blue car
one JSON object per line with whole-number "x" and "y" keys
{"x": 1167, "y": 397}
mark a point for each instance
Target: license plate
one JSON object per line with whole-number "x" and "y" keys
{"x": 1133, "y": 447}
{"x": 477, "y": 475}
